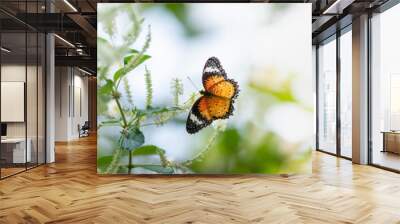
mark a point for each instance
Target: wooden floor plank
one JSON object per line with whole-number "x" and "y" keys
{"x": 70, "y": 191}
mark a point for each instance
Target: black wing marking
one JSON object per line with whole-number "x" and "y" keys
{"x": 213, "y": 67}
{"x": 195, "y": 121}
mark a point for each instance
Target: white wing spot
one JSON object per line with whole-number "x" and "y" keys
{"x": 211, "y": 70}
{"x": 195, "y": 119}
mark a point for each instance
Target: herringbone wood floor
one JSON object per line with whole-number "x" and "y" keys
{"x": 70, "y": 191}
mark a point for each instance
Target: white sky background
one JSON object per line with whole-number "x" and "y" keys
{"x": 245, "y": 37}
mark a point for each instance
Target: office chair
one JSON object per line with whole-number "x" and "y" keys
{"x": 84, "y": 130}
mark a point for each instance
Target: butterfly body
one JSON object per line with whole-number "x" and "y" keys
{"x": 217, "y": 98}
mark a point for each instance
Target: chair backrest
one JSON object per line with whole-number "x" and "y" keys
{"x": 86, "y": 125}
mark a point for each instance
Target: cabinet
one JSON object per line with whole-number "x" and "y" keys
{"x": 391, "y": 142}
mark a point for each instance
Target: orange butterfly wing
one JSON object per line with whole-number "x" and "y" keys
{"x": 205, "y": 110}
{"x": 217, "y": 100}
{"x": 225, "y": 88}
{"x": 212, "y": 73}
{"x": 218, "y": 107}
{"x": 199, "y": 116}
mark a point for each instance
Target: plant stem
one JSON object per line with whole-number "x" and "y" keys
{"x": 201, "y": 154}
{"x": 114, "y": 162}
{"x": 121, "y": 112}
{"x": 117, "y": 154}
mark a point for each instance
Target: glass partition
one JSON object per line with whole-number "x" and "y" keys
{"x": 31, "y": 98}
{"x": 22, "y": 77}
{"x": 327, "y": 96}
{"x": 41, "y": 109}
{"x": 346, "y": 94}
{"x": 13, "y": 94}
{"x": 385, "y": 89}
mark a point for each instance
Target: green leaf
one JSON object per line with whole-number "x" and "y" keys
{"x": 110, "y": 123}
{"x": 104, "y": 162}
{"x": 284, "y": 92}
{"x": 156, "y": 168}
{"x": 158, "y": 110}
{"x": 119, "y": 74}
{"x": 133, "y": 56}
{"x": 122, "y": 170}
{"x": 131, "y": 139}
{"x": 133, "y": 51}
{"x": 106, "y": 88}
{"x": 147, "y": 150}
{"x": 101, "y": 40}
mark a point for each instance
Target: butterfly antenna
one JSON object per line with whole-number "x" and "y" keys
{"x": 194, "y": 85}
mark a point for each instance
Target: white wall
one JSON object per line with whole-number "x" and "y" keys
{"x": 80, "y": 110}
{"x": 62, "y": 82}
{"x": 33, "y": 126}
{"x": 71, "y": 102}
{"x": 16, "y": 73}
{"x": 12, "y": 73}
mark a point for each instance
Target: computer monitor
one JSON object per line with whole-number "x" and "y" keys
{"x": 3, "y": 130}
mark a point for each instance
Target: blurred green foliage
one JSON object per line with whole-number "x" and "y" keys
{"x": 249, "y": 148}
{"x": 181, "y": 12}
{"x": 237, "y": 151}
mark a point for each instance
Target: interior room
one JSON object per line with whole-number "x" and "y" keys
{"x": 66, "y": 76}
{"x": 22, "y": 99}
{"x": 385, "y": 90}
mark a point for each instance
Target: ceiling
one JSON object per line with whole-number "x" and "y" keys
{"x": 329, "y": 16}
{"x": 74, "y": 21}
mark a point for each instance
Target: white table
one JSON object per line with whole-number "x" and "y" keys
{"x": 19, "y": 155}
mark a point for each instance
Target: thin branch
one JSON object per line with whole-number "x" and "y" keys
{"x": 203, "y": 152}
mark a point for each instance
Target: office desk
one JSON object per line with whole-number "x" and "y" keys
{"x": 391, "y": 142}
{"x": 16, "y": 147}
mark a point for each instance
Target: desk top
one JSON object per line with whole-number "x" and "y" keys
{"x": 13, "y": 140}
{"x": 391, "y": 132}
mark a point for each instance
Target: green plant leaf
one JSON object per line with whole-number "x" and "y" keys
{"x": 110, "y": 123}
{"x": 119, "y": 74}
{"x": 156, "y": 168}
{"x": 133, "y": 51}
{"x": 101, "y": 40}
{"x": 133, "y": 56}
{"x": 104, "y": 162}
{"x": 131, "y": 139}
{"x": 146, "y": 150}
{"x": 158, "y": 110}
{"x": 106, "y": 88}
{"x": 122, "y": 170}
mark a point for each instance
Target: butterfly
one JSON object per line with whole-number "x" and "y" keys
{"x": 217, "y": 98}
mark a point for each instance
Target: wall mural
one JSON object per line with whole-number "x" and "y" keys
{"x": 204, "y": 88}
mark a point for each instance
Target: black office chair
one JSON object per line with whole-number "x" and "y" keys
{"x": 84, "y": 130}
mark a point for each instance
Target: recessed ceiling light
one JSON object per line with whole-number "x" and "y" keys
{"x": 70, "y": 5}
{"x": 84, "y": 71}
{"x": 5, "y": 50}
{"x": 337, "y": 7}
{"x": 64, "y": 40}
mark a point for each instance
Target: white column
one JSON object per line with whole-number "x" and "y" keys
{"x": 360, "y": 90}
{"x": 50, "y": 100}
